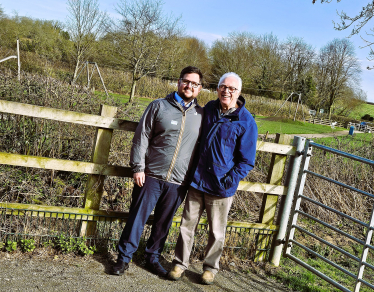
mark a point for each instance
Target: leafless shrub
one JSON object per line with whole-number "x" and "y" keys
{"x": 38, "y": 137}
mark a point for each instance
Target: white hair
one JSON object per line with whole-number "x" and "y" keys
{"x": 231, "y": 74}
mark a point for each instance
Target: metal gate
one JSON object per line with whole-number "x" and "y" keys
{"x": 360, "y": 260}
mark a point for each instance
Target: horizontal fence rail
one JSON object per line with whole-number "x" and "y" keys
{"x": 66, "y": 116}
{"x": 325, "y": 122}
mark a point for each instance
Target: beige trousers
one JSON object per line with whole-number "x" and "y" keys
{"x": 217, "y": 209}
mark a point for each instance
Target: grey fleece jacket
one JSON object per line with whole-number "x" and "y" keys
{"x": 166, "y": 140}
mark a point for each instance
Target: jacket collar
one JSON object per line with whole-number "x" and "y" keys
{"x": 171, "y": 99}
{"x": 240, "y": 102}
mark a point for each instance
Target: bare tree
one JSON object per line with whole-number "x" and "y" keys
{"x": 337, "y": 68}
{"x": 192, "y": 51}
{"x": 85, "y": 24}
{"x": 236, "y": 53}
{"x": 143, "y": 38}
{"x": 269, "y": 65}
{"x": 298, "y": 58}
{"x": 356, "y": 22}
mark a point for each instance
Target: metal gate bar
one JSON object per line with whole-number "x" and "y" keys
{"x": 324, "y": 259}
{"x": 296, "y": 211}
{"x": 331, "y": 227}
{"x": 340, "y": 184}
{"x": 329, "y": 244}
{"x": 333, "y": 210}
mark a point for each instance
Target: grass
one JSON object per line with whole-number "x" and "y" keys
{"x": 299, "y": 278}
{"x": 362, "y": 110}
{"x": 356, "y": 140}
{"x": 287, "y": 126}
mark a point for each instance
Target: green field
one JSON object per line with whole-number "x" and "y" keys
{"x": 362, "y": 110}
{"x": 286, "y": 126}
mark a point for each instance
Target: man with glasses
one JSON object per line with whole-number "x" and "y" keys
{"x": 227, "y": 154}
{"x": 161, "y": 155}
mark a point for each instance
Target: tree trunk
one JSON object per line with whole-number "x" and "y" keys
{"x": 76, "y": 71}
{"x": 133, "y": 86}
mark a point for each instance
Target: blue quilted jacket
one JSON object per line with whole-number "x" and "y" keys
{"x": 227, "y": 149}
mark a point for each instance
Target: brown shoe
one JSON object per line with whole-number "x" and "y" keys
{"x": 176, "y": 273}
{"x": 207, "y": 278}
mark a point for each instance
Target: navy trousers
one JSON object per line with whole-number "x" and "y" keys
{"x": 164, "y": 198}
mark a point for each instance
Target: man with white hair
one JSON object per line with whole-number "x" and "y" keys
{"x": 227, "y": 154}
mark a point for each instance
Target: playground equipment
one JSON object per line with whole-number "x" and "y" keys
{"x": 299, "y": 101}
{"x": 89, "y": 76}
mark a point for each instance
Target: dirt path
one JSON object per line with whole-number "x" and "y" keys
{"x": 92, "y": 274}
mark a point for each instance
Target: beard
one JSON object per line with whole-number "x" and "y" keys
{"x": 184, "y": 97}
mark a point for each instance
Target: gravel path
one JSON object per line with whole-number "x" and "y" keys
{"x": 54, "y": 273}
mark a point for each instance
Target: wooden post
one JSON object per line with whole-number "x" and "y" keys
{"x": 269, "y": 203}
{"x": 95, "y": 183}
{"x": 18, "y": 62}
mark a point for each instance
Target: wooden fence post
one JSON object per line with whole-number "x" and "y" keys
{"x": 269, "y": 203}
{"x": 95, "y": 183}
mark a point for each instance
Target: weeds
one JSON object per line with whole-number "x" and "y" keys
{"x": 62, "y": 243}
{"x": 78, "y": 245}
{"x": 27, "y": 245}
{"x": 11, "y": 246}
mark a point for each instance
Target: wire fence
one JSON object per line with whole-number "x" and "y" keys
{"x": 45, "y": 226}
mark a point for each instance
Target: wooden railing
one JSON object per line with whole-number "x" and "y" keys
{"x": 325, "y": 122}
{"x": 333, "y": 124}
{"x": 98, "y": 168}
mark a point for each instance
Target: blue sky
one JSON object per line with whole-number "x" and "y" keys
{"x": 213, "y": 19}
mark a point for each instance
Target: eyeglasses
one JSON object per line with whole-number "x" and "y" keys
{"x": 193, "y": 84}
{"x": 231, "y": 89}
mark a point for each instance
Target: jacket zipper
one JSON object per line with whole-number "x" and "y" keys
{"x": 177, "y": 148}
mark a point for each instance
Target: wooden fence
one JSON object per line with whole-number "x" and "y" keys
{"x": 325, "y": 122}
{"x": 98, "y": 168}
{"x": 333, "y": 124}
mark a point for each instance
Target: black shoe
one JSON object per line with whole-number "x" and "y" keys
{"x": 119, "y": 268}
{"x": 156, "y": 268}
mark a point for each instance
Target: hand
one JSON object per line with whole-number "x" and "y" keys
{"x": 139, "y": 178}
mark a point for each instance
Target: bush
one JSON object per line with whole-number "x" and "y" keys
{"x": 367, "y": 117}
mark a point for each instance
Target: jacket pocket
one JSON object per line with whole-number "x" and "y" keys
{"x": 218, "y": 176}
